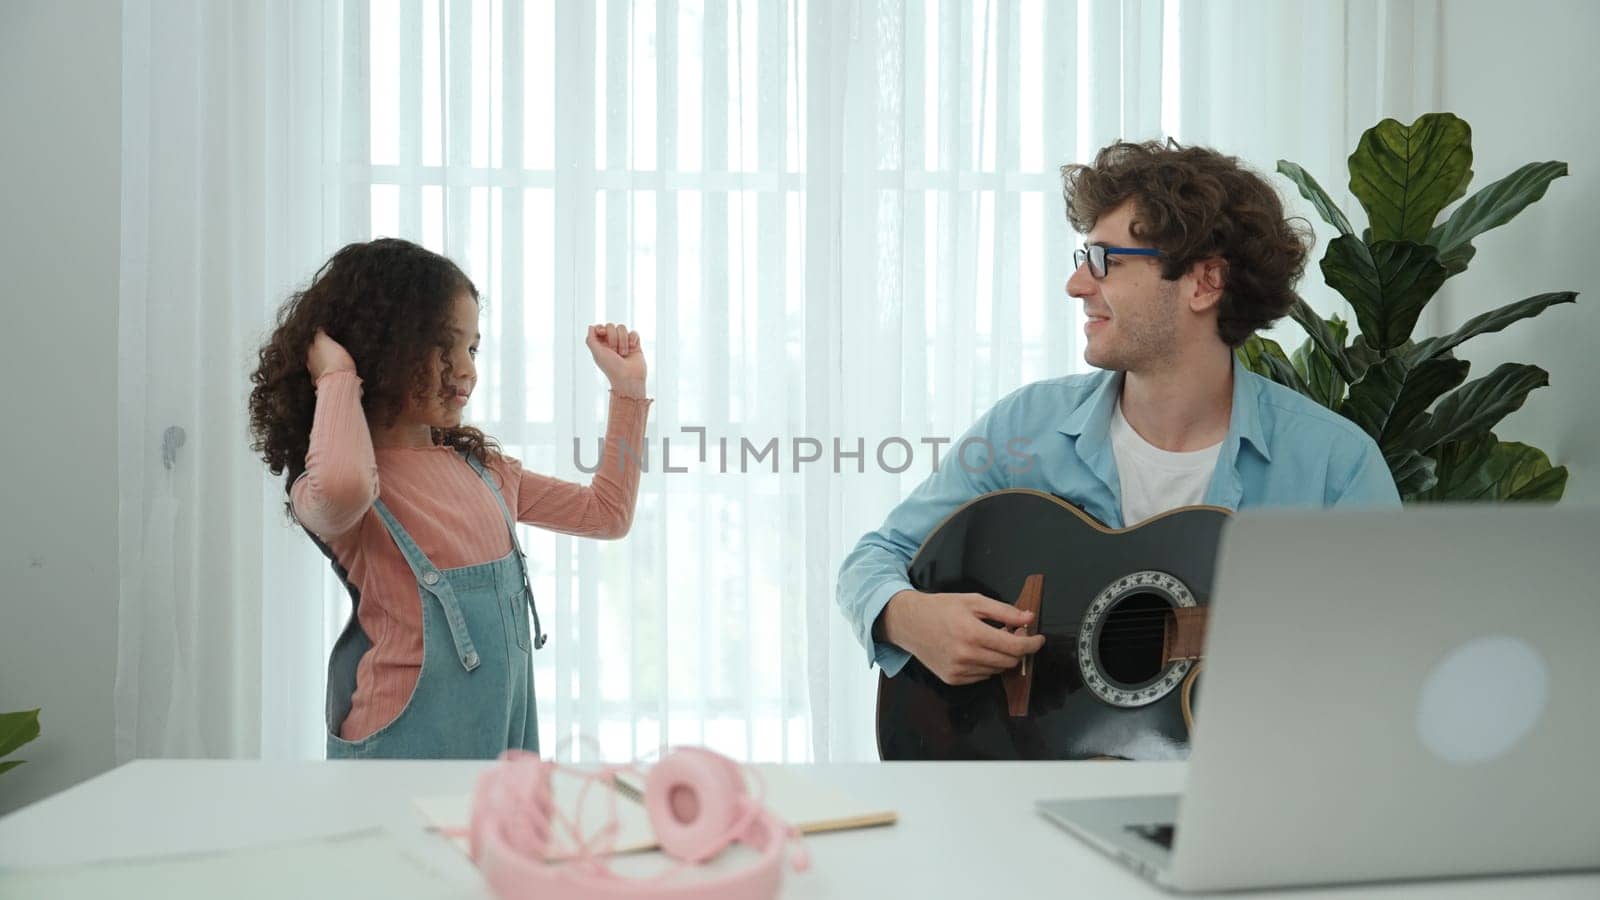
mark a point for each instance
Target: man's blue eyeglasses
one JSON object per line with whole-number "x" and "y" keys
{"x": 1096, "y": 255}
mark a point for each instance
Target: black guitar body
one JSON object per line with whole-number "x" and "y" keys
{"x": 1099, "y": 685}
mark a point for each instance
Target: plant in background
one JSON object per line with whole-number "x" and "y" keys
{"x": 16, "y": 729}
{"x": 1435, "y": 428}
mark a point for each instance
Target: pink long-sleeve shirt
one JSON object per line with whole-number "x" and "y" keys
{"x": 449, "y": 512}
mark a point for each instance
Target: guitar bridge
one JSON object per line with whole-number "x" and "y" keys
{"x": 1184, "y": 634}
{"x": 1018, "y": 682}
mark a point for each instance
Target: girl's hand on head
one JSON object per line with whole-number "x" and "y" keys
{"x": 618, "y": 354}
{"x": 327, "y": 355}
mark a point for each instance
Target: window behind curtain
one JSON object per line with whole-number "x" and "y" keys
{"x": 650, "y": 162}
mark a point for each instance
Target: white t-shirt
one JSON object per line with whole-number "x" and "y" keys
{"x": 1156, "y": 480}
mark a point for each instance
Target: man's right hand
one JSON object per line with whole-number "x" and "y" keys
{"x": 951, "y": 634}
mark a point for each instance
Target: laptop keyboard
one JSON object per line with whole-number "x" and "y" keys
{"x": 1160, "y": 833}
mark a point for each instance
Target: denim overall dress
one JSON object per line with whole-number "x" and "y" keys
{"x": 474, "y": 694}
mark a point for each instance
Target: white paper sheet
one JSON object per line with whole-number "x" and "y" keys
{"x": 368, "y": 863}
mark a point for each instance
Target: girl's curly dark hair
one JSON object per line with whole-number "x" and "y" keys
{"x": 1194, "y": 203}
{"x": 388, "y": 303}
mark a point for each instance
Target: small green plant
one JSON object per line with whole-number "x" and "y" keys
{"x": 16, "y": 729}
{"x": 1433, "y": 426}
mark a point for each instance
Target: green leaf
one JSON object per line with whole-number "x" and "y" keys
{"x": 1324, "y": 336}
{"x": 1283, "y": 372}
{"x": 1462, "y": 470}
{"x": 1387, "y": 284}
{"x": 1405, "y": 174}
{"x": 1251, "y": 352}
{"x": 1483, "y": 468}
{"x": 1373, "y": 397}
{"x": 1413, "y": 473}
{"x": 1547, "y": 488}
{"x": 17, "y": 728}
{"x": 1477, "y": 406}
{"x": 1326, "y": 387}
{"x": 1309, "y": 189}
{"x": 1526, "y": 474}
{"x": 1455, "y": 261}
{"x": 1361, "y": 356}
{"x": 1266, "y": 358}
{"x": 8, "y": 766}
{"x": 1424, "y": 384}
{"x": 1492, "y": 207}
{"x": 1493, "y": 320}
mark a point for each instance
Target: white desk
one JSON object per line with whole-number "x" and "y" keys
{"x": 965, "y": 829}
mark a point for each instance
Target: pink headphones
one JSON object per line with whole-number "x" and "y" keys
{"x": 697, "y": 803}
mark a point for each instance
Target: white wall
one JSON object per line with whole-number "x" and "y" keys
{"x": 60, "y": 111}
{"x": 1524, "y": 76}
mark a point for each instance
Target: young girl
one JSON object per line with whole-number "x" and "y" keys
{"x": 359, "y": 397}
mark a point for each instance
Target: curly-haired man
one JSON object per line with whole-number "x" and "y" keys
{"x": 1187, "y": 254}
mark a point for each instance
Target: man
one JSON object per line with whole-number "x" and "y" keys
{"x": 1187, "y": 254}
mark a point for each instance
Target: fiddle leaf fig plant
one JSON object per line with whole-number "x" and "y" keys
{"x": 16, "y": 729}
{"x": 1435, "y": 427}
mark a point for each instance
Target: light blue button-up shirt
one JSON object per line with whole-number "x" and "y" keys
{"x": 1282, "y": 449}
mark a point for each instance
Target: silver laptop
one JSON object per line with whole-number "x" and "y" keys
{"x": 1386, "y": 695}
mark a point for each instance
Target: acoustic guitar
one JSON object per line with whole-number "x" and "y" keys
{"x": 1123, "y": 613}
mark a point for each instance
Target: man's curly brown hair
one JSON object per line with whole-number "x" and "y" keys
{"x": 388, "y": 303}
{"x": 1193, "y": 203}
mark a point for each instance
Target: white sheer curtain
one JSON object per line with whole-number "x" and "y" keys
{"x": 219, "y": 608}
{"x": 835, "y": 224}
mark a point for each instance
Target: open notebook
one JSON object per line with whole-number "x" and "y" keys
{"x": 801, "y": 802}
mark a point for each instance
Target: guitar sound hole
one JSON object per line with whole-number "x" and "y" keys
{"x": 1130, "y": 639}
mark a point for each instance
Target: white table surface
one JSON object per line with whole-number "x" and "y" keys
{"x": 965, "y": 829}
